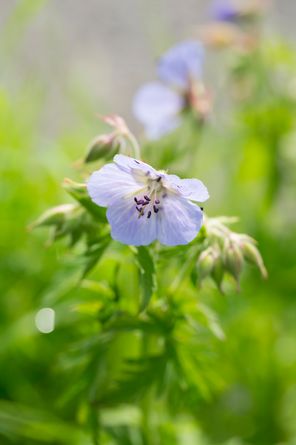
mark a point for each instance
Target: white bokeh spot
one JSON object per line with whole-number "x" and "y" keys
{"x": 45, "y": 320}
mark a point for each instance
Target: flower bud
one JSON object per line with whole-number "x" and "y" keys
{"x": 217, "y": 273}
{"x": 119, "y": 140}
{"x": 205, "y": 263}
{"x": 105, "y": 145}
{"x": 251, "y": 254}
{"x": 233, "y": 259}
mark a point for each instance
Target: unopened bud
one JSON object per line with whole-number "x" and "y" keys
{"x": 73, "y": 187}
{"x": 205, "y": 263}
{"x": 233, "y": 259}
{"x": 217, "y": 273}
{"x": 102, "y": 146}
{"x": 119, "y": 140}
{"x": 251, "y": 254}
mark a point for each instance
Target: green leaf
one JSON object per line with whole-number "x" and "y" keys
{"x": 21, "y": 422}
{"x": 137, "y": 377}
{"x": 94, "y": 254}
{"x": 147, "y": 275}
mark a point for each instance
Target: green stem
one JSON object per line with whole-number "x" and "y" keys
{"x": 184, "y": 271}
{"x": 145, "y": 403}
{"x": 135, "y": 145}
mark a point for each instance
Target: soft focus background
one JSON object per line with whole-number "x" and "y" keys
{"x": 61, "y": 63}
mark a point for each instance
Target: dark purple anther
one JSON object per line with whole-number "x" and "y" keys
{"x": 155, "y": 209}
{"x": 158, "y": 179}
{"x": 201, "y": 208}
{"x": 139, "y": 210}
{"x": 149, "y": 214}
{"x": 164, "y": 195}
{"x": 135, "y": 199}
{"x": 141, "y": 202}
{"x": 157, "y": 201}
{"x": 136, "y": 161}
{"x": 147, "y": 198}
{"x": 145, "y": 203}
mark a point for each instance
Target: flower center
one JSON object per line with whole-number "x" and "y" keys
{"x": 150, "y": 203}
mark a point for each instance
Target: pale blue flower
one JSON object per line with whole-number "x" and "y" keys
{"x": 158, "y": 104}
{"x": 145, "y": 205}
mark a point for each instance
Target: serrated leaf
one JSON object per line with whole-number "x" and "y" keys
{"x": 147, "y": 275}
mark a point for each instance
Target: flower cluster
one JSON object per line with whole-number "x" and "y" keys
{"x": 158, "y": 105}
{"x": 226, "y": 251}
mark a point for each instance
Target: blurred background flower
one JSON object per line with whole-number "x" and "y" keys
{"x": 158, "y": 105}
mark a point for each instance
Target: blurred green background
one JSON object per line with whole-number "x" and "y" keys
{"x": 61, "y": 63}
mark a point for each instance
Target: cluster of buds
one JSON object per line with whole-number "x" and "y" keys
{"x": 62, "y": 219}
{"x": 73, "y": 221}
{"x": 120, "y": 140}
{"x": 226, "y": 251}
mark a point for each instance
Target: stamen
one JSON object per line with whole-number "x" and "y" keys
{"x": 139, "y": 209}
{"x": 145, "y": 203}
{"x": 135, "y": 199}
{"x": 158, "y": 179}
{"x": 201, "y": 208}
{"x": 157, "y": 201}
{"x": 155, "y": 209}
{"x": 141, "y": 202}
{"x": 136, "y": 161}
{"x": 149, "y": 214}
{"x": 147, "y": 198}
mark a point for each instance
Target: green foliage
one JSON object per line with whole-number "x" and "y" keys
{"x": 145, "y": 349}
{"x": 147, "y": 275}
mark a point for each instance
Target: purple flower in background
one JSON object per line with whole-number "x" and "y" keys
{"x": 224, "y": 11}
{"x": 233, "y": 11}
{"x": 158, "y": 104}
{"x": 145, "y": 205}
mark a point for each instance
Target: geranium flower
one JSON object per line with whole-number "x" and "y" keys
{"x": 145, "y": 205}
{"x": 158, "y": 104}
